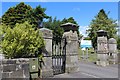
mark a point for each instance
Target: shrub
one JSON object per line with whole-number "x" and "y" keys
{"x": 21, "y": 41}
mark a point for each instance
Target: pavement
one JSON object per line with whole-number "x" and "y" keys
{"x": 91, "y": 70}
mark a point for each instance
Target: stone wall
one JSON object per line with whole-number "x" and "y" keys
{"x": 14, "y": 68}
{"x": 19, "y": 68}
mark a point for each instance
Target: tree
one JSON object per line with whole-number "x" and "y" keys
{"x": 101, "y": 22}
{"x": 1, "y": 31}
{"x": 21, "y": 13}
{"x": 118, "y": 42}
{"x": 0, "y": 37}
{"x": 0, "y": 20}
{"x": 54, "y": 25}
{"x": 21, "y": 41}
{"x": 37, "y": 15}
{"x": 71, "y": 20}
{"x": 86, "y": 38}
{"x": 17, "y": 14}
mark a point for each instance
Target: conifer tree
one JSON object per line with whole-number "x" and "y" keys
{"x": 101, "y": 22}
{"x": 22, "y": 12}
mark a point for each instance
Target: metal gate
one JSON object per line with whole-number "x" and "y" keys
{"x": 59, "y": 56}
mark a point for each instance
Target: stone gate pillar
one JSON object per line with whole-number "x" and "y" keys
{"x": 112, "y": 47}
{"x": 71, "y": 51}
{"x": 102, "y": 48}
{"x": 47, "y": 70}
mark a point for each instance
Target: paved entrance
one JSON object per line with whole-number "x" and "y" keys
{"x": 91, "y": 70}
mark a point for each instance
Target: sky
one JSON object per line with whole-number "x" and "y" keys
{"x": 60, "y": 0}
{"x": 82, "y": 12}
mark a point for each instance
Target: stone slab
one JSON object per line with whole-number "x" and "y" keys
{"x": 71, "y": 69}
{"x": 5, "y": 75}
{"x": 9, "y": 68}
{"x": 8, "y": 61}
{"x": 17, "y": 74}
{"x": 47, "y": 73}
{"x": 102, "y": 63}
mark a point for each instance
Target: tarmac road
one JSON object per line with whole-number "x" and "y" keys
{"x": 91, "y": 70}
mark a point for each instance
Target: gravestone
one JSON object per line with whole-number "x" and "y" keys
{"x": 47, "y": 70}
{"x": 71, "y": 51}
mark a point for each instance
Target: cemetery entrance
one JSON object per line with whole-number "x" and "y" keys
{"x": 58, "y": 55}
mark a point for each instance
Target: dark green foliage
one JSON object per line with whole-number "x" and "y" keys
{"x": 118, "y": 42}
{"x": 37, "y": 15}
{"x": 21, "y": 13}
{"x": 101, "y": 22}
{"x": 0, "y": 20}
{"x": 87, "y": 38}
{"x": 54, "y": 25}
{"x": 17, "y": 14}
{"x": 71, "y": 20}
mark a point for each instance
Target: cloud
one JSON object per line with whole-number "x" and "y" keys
{"x": 117, "y": 21}
{"x": 83, "y": 29}
{"x": 76, "y": 9}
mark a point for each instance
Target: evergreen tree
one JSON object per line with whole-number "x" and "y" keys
{"x": 21, "y": 13}
{"x": 0, "y": 20}
{"x": 37, "y": 15}
{"x": 70, "y": 19}
{"x": 54, "y": 25}
{"x": 17, "y": 14}
{"x": 101, "y": 22}
{"x": 118, "y": 42}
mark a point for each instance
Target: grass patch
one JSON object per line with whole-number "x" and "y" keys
{"x": 92, "y": 57}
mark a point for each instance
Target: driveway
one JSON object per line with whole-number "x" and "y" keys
{"x": 91, "y": 70}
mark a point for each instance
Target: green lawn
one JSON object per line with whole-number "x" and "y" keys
{"x": 118, "y": 51}
{"x": 92, "y": 57}
{"x": 91, "y": 54}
